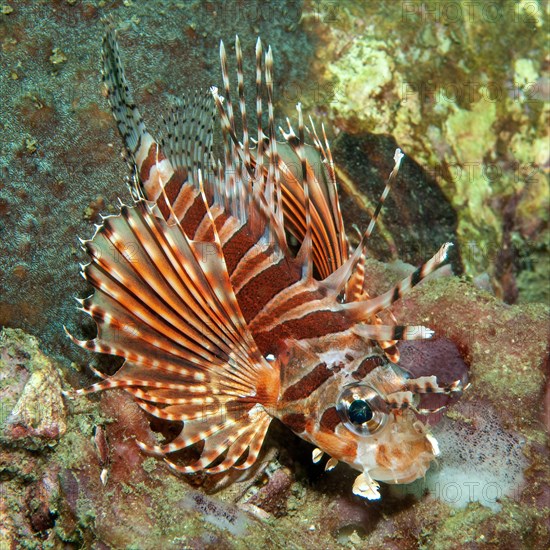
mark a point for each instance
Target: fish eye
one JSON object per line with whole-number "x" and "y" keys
{"x": 359, "y": 411}
{"x": 359, "y": 407}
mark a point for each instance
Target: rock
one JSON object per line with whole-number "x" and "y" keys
{"x": 139, "y": 498}
{"x": 473, "y": 118}
{"x": 37, "y": 418}
{"x": 406, "y": 229}
{"x": 273, "y": 496}
{"x": 504, "y": 346}
{"x": 8, "y": 532}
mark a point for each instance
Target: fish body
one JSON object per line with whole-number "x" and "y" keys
{"x": 222, "y": 324}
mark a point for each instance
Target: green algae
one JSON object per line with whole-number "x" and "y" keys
{"x": 73, "y": 449}
{"x": 503, "y": 376}
{"x": 372, "y": 69}
{"x": 476, "y": 525}
{"x": 176, "y": 521}
{"x": 470, "y": 133}
{"x": 150, "y": 464}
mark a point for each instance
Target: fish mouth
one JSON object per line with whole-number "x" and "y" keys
{"x": 398, "y": 455}
{"x": 391, "y": 477}
{"x": 403, "y": 474}
{"x": 396, "y": 467}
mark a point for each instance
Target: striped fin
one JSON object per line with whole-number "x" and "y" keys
{"x": 260, "y": 209}
{"x": 330, "y": 189}
{"x": 341, "y": 277}
{"x": 311, "y": 213}
{"x": 128, "y": 118}
{"x": 185, "y": 147}
{"x": 165, "y": 303}
{"x": 187, "y": 134}
{"x": 251, "y": 232}
{"x": 382, "y": 302}
{"x": 355, "y": 288}
{"x": 310, "y": 199}
{"x": 310, "y": 307}
{"x": 304, "y": 199}
{"x": 307, "y": 197}
{"x": 186, "y": 139}
{"x": 356, "y": 283}
{"x": 147, "y": 161}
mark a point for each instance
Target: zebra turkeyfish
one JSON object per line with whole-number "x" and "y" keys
{"x": 231, "y": 291}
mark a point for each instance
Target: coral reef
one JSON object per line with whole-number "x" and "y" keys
{"x": 386, "y": 74}
{"x": 32, "y": 411}
{"x": 492, "y": 482}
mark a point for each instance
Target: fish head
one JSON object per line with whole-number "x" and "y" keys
{"x": 393, "y": 444}
{"x": 358, "y": 407}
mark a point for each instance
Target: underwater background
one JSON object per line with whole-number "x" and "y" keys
{"x": 462, "y": 87}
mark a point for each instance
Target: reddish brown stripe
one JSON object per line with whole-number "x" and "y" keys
{"x": 367, "y": 365}
{"x": 251, "y": 264}
{"x": 194, "y": 216}
{"x": 314, "y": 325}
{"x": 295, "y": 421}
{"x": 220, "y": 221}
{"x": 208, "y": 234}
{"x": 330, "y": 420}
{"x": 172, "y": 189}
{"x": 261, "y": 289}
{"x": 391, "y": 350}
{"x": 153, "y": 155}
{"x": 237, "y": 246}
{"x": 308, "y": 384}
{"x": 297, "y": 299}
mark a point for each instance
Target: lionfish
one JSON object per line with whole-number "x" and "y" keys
{"x": 231, "y": 290}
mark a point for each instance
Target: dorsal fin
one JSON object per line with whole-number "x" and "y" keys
{"x": 302, "y": 164}
{"x": 127, "y": 116}
{"x": 186, "y": 138}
